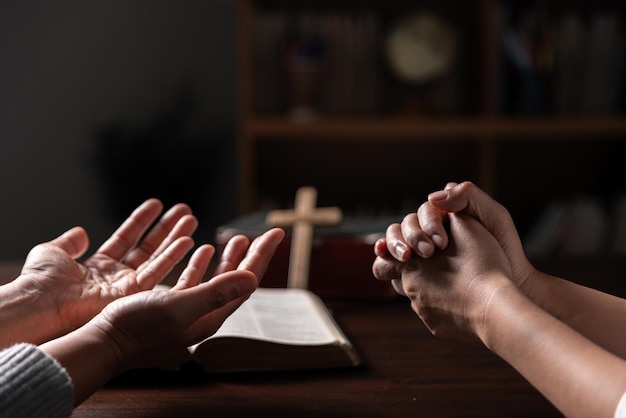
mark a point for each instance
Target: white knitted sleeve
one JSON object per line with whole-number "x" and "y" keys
{"x": 33, "y": 384}
{"x": 620, "y": 411}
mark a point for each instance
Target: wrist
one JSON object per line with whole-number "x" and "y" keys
{"x": 113, "y": 351}
{"x": 528, "y": 284}
{"x": 505, "y": 305}
{"x": 89, "y": 356}
{"x": 26, "y": 314}
{"x": 479, "y": 299}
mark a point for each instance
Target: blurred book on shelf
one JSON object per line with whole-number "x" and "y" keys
{"x": 561, "y": 62}
{"x": 335, "y": 51}
{"x": 579, "y": 227}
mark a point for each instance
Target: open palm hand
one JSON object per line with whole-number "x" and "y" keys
{"x": 136, "y": 257}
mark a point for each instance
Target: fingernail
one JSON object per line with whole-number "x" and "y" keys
{"x": 438, "y": 195}
{"x": 401, "y": 249}
{"x": 438, "y": 240}
{"x": 424, "y": 248}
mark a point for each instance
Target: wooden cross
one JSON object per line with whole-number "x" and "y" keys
{"x": 302, "y": 219}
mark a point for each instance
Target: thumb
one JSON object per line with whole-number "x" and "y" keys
{"x": 454, "y": 197}
{"x": 74, "y": 242}
{"x": 222, "y": 289}
{"x": 469, "y": 198}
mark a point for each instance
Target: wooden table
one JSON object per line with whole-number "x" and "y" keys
{"x": 406, "y": 372}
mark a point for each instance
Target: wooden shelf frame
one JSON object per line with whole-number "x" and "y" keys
{"x": 280, "y": 128}
{"x": 485, "y": 128}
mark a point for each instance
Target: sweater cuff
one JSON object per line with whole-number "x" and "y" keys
{"x": 33, "y": 384}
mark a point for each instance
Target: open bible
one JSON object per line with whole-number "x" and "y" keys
{"x": 277, "y": 329}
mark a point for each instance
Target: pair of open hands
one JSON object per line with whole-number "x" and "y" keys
{"x": 120, "y": 275}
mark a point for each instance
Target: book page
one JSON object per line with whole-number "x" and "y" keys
{"x": 285, "y": 315}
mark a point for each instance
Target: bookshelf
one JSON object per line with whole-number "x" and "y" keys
{"x": 374, "y": 144}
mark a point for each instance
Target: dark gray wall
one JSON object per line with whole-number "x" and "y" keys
{"x": 104, "y": 103}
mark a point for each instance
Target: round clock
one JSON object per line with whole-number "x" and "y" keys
{"x": 420, "y": 48}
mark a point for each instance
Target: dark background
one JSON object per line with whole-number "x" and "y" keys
{"x": 105, "y": 103}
